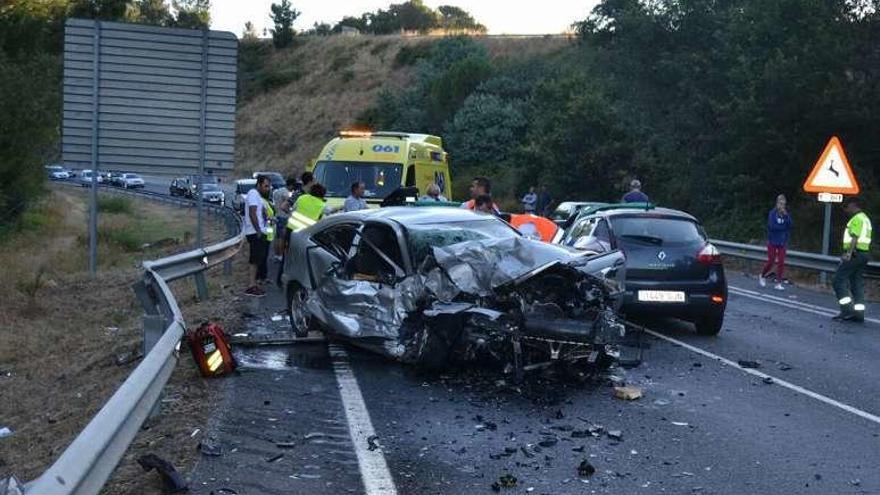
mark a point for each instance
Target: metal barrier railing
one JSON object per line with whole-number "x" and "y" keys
{"x": 798, "y": 259}
{"x": 88, "y": 462}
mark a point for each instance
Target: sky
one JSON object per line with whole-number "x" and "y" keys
{"x": 500, "y": 16}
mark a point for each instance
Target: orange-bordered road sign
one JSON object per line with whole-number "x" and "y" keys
{"x": 832, "y": 173}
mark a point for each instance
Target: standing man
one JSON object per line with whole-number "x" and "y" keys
{"x": 542, "y": 207}
{"x": 356, "y": 201}
{"x": 529, "y": 201}
{"x": 849, "y": 284}
{"x": 480, "y": 186}
{"x": 635, "y": 194}
{"x": 282, "y": 209}
{"x": 257, "y": 231}
{"x": 778, "y": 230}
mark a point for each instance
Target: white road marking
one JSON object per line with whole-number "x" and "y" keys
{"x": 751, "y": 371}
{"x": 374, "y": 469}
{"x": 807, "y": 307}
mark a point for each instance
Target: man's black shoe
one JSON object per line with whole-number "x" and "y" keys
{"x": 842, "y": 317}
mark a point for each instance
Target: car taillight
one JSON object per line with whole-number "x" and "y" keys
{"x": 709, "y": 255}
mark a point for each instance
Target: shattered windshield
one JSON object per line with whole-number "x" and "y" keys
{"x": 381, "y": 179}
{"x": 421, "y": 238}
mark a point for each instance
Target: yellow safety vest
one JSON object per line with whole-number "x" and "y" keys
{"x": 306, "y": 212}
{"x": 270, "y": 213}
{"x": 858, "y": 228}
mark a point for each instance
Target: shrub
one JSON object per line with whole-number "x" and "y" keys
{"x": 410, "y": 54}
{"x": 115, "y": 204}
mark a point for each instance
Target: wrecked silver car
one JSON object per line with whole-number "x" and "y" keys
{"x": 433, "y": 285}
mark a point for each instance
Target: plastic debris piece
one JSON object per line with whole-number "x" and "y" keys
{"x": 784, "y": 366}
{"x": 5, "y": 432}
{"x": 372, "y": 442}
{"x": 768, "y": 380}
{"x": 172, "y": 480}
{"x": 585, "y": 469}
{"x": 747, "y": 363}
{"x": 627, "y": 393}
{"x": 274, "y": 458}
{"x": 507, "y": 481}
{"x": 679, "y": 423}
{"x": 285, "y": 445}
{"x": 615, "y": 435}
{"x": 580, "y": 434}
{"x": 548, "y": 442}
{"x": 210, "y": 446}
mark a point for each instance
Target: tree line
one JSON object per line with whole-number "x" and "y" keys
{"x": 716, "y": 105}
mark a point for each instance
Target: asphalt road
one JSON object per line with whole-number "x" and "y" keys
{"x": 702, "y": 426}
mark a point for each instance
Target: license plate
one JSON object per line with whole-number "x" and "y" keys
{"x": 661, "y": 296}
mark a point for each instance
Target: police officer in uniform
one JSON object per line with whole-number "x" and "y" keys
{"x": 849, "y": 285}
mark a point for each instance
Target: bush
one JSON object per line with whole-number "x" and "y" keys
{"x": 408, "y": 55}
{"x": 115, "y": 204}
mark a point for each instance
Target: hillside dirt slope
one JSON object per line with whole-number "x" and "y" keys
{"x": 339, "y": 77}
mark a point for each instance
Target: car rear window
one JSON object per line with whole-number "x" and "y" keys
{"x": 661, "y": 231}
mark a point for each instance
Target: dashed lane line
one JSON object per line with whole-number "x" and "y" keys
{"x": 374, "y": 469}
{"x": 778, "y": 381}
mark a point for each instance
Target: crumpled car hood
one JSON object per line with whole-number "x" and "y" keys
{"x": 478, "y": 267}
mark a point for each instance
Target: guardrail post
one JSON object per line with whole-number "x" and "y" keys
{"x": 201, "y": 286}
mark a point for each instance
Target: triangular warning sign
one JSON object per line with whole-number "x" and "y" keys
{"x": 832, "y": 173}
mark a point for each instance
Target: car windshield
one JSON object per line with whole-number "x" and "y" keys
{"x": 210, "y": 187}
{"x": 421, "y": 238}
{"x": 381, "y": 179}
{"x": 243, "y": 188}
{"x": 659, "y": 231}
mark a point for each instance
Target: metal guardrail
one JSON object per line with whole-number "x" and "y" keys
{"x": 799, "y": 259}
{"x": 88, "y": 462}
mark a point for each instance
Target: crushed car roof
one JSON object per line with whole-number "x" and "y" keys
{"x": 406, "y": 215}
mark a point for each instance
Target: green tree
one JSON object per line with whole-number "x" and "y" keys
{"x": 283, "y": 15}
{"x": 193, "y": 14}
{"x": 453, "y": 18}
{"x": 155, "y": 12}
{"x": 250, "y": 33}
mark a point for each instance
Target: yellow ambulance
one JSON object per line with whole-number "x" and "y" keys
{"x": 384, "y": 162}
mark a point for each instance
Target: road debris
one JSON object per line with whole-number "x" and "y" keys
{"x": 627, "y": 393}
{"x": 211, "y": 446}
{"x": 548, "y": 442}
{"x": 172, "y": 481}
{"x": 505, "y": 481}
{"x": 5, "y": 432}
{"x": 746, "y": 363}
{"x": 785, "y": 366}
{"x": 373, "y": 442}
{"x": 585, "y": 469}
{"x": 127, "y": 357}
{"x": 768, "y": 380}
{"x": 274, "y": 458}
{"x": 615, "y": 435}
{"x": 285, "y": 445}
{"x": 679, "y": 423}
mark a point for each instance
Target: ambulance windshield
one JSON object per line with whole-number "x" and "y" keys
{"x": 381, "y": 179}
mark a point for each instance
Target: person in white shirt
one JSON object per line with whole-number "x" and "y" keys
{"x": 356, "y": 200}
{"x": 280, "y": 199}
{"x": 529, "y": 201}
{"x": 433, "y": 193}
{"x": 256, "y": 229}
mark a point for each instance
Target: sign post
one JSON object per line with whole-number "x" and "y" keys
{"x": 831, "y": 178}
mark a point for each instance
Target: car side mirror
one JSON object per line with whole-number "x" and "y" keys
{"x": 588, "y": 243}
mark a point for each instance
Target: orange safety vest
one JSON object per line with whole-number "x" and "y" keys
{"x": 534, "y": 226}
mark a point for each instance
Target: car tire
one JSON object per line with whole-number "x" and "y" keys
{"x": 300, "y": 319}
{"x": 710, "y": 325}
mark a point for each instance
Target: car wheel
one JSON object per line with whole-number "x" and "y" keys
{"x": 710, "y": 325}
{"x": 300, "y": 318}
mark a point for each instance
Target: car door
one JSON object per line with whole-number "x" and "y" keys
{"x": 370, "y": 296}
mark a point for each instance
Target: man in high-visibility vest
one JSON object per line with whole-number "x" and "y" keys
{"x": 849, "y": 285}
{"x": 306, "y": 211}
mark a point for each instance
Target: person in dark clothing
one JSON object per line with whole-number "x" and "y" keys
{"x": 778, "y": 231}
{"x": 542, "y": 206}
{"x": 635, "y": 194}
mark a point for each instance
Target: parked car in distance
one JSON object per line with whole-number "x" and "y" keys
{"x": 180, "y": 187}
{"x": 131, "y": 181}
{"x": 57, "y": 172}
{"x": 114, "y": 179}
{"x": 211, "y": 193}
{"x": 85, "y": 178}
{"x": 241, "y": 189}
{"x": 275, "y": 178}
{"x": 671, "y": 267}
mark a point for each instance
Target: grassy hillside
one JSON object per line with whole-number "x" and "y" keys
{"x": 295, "y": 100}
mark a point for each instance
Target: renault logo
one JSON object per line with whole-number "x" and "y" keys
{"x": 661, "y": 255}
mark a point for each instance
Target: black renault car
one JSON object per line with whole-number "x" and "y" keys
{"x": 671, "y": 267}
